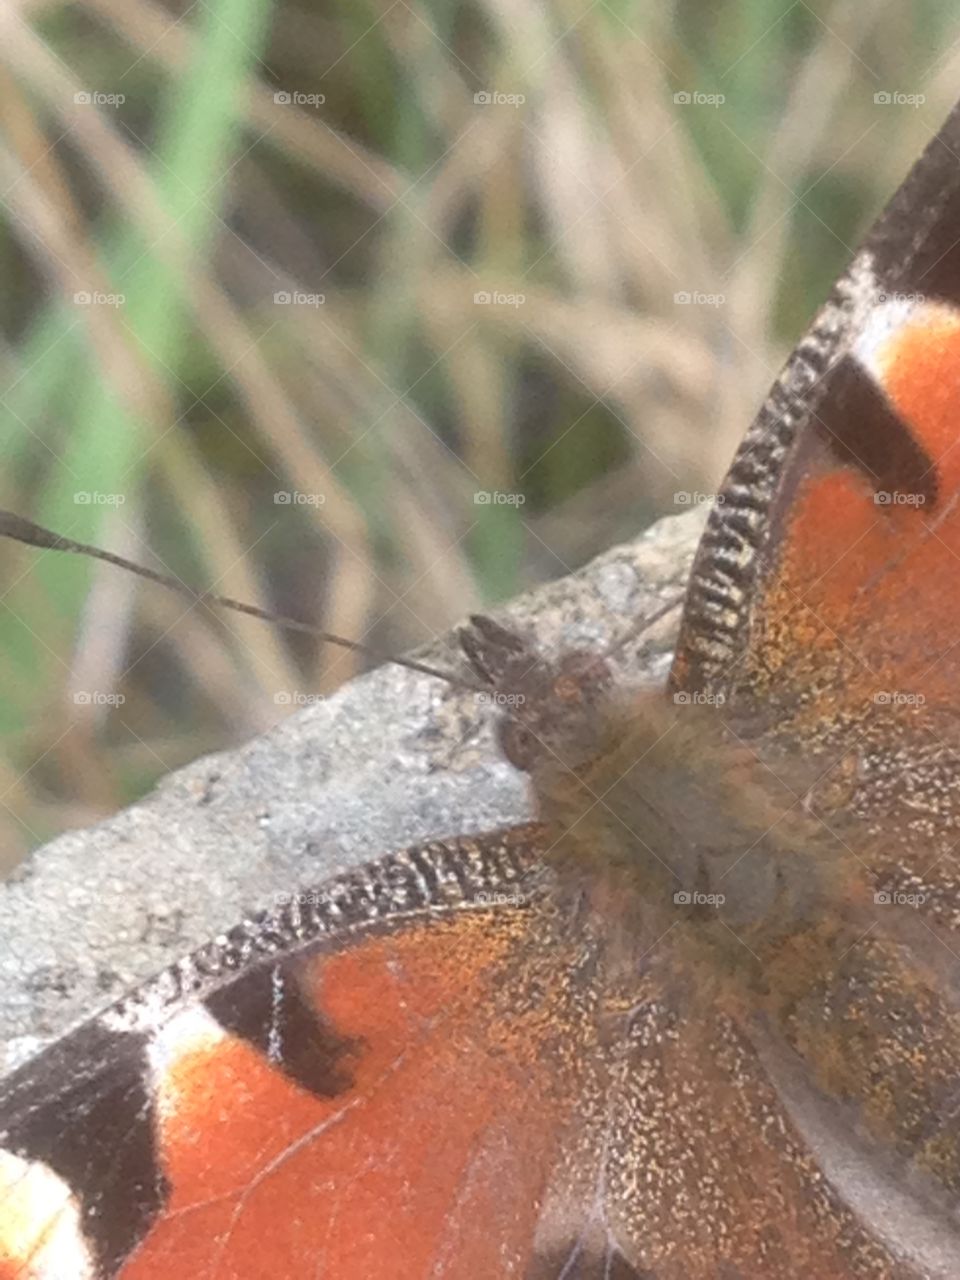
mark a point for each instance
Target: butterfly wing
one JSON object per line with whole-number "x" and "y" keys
{"x": 421, "y": 1070}
{"x": 380, "y": 1088}
{"x": 827, "y": 572}
{"x": 823, "y": 608}
{"x": 722, "y": 1171}
{"x": 823, "y": 618}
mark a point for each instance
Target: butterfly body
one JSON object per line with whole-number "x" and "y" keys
{"x": 701, "y": 1019}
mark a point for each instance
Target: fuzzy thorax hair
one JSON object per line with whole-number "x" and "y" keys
{"x": 671, "y": 823}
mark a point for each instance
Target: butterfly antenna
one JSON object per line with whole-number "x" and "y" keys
{"x": 35, "y": 535}
{"x": 646, "y": 623}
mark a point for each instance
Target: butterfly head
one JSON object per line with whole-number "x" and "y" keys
{"x": 553, "y": 711}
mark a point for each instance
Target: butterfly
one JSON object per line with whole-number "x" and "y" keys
{"x": 700, "y": 1019}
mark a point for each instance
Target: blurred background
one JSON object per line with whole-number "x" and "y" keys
{"x": 376, "y": 311}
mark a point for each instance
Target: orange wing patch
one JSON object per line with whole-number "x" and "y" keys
{"x": 398, "y": 1172}
{"x": 854, "y": 609}
{"x": 918, "y": 365}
